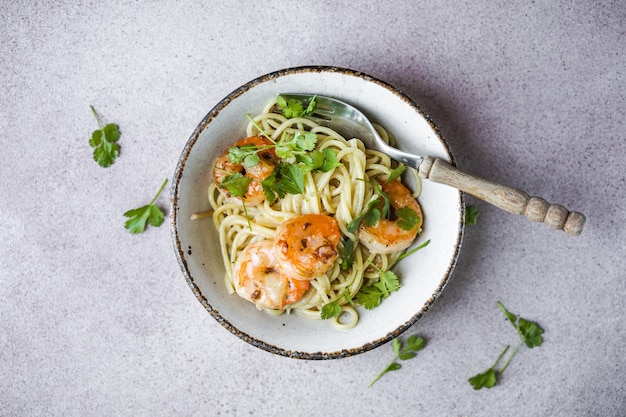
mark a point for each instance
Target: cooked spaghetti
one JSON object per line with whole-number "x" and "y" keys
{"x": 349, "y": 187}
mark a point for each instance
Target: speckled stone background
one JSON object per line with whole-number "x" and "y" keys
{"x": 96, "y": 322}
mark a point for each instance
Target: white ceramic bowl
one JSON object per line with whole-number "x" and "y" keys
{"x": 423, "y": 275}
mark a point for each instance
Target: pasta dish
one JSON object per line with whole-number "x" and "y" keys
{"x": 310, "y": 222}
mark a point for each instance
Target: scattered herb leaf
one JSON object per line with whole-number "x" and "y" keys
{"x": 529, "y": 333}
{"x": 402, "y": 352}
{"x": 471, "y": 215}
{"x": 149, "y": 213}
{"x": 488, "y": 378}
{"x": 104, "y": 141}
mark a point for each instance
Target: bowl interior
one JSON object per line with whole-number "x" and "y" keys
{"x": 423, "y": 275}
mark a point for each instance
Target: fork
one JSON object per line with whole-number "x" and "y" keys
{"x": 352, "y": 123}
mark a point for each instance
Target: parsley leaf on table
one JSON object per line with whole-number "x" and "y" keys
{"x": 104, "y": 141}
{"x": 149, "y": 213}
{"x": 488, "y": 378}
{"x": 402, "y": 352}
{"x": 471, "y": 215}
{"x": 529, "y": 333}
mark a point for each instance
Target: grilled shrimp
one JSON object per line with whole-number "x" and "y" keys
{"x": 225, "y": 167}
{"x": 386, "y": 236}
{"x": 258, "y": 280}
{"x": 306, "y": 246}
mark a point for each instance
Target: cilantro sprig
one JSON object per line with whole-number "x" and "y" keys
{"x": 333, "y": 308}
{"x": 150, "y": 213}
{"x": 370, "y": 296}
{"x": 530, "y": 334}
{"x": 297, "y": 156}
{"x": 380, "y": 208}
{"x": 292, "y": 108}
{"x": 104, "y": 141}
{"x": 402, "y": 352}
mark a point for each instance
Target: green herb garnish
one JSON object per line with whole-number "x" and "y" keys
{"x": 104, "y": 141}
{"x": 149, "y": 213}
{"x": 295, "y": 108}
{"x": 407, "y": 217}
{"x": 402, "y": 352}
{"x": 530, "y": 334}
{"x": 370, "y": 296}
{"x": 333, "y": 309}
{"x": 471, "y": 215}
{"x": 396, "y": 172}
{"x": 285, "y": 179}
{"x": 412, "y": 251}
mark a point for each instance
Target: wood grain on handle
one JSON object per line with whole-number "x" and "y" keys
{"x": 507, "y": 198}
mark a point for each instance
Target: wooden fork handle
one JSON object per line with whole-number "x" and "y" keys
{"x": 507, "y": 198}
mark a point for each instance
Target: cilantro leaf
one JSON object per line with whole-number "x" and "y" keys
{"x": 299, "y": 144}
{"x": 103, "y": 140}
{"x": 529, "y": 331}
{"x": 292, "y": 178}
{"x": 369, "y": 297}
{"x": 236, "y": 184}
{"x": 354, "y": 224}
{"x": 530, "y": 334}
{"x": 150, "y": 213}
{"x": 388, "y": 283}
{"x": 485, "y": 380}
{"x": 330, "y": 160}
{"x": 402, "y": 352}
{"x": 295, "y": 108}
{"x": 305, "y": 141}
{"x": 471, "y": 215}
{"x": 246, "y": 155}
{"x": 372, "y": 217}
{"x": 407, "y": 218}
{"x": 333, "y": 309}
{"x": 489, "y": 378}
{"x": 285, "y": 179}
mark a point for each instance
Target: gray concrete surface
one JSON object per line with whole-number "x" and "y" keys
{"x": 96, "y": 322}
